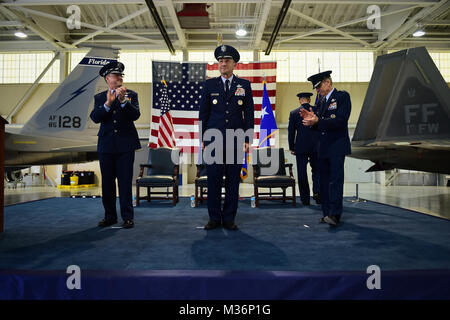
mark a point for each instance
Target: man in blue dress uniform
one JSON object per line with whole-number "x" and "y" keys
{"x": 116, "y": 109}
{"x": 226, "y": 104}
{"x": 334, "y": 144}
{"x": 303, "y": 142}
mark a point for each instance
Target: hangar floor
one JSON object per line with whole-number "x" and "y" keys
{"x": 426, "y": 199}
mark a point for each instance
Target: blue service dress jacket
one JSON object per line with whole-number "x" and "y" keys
{"x": 333, "y": 125}
{"x": 302, "y": 139}
{"x": 117, "y": 132}
{"x": 232, "y": 111}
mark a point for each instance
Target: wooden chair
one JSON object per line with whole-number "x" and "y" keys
{"x": 272, "y": 174}
{"x": 162, "y": 171}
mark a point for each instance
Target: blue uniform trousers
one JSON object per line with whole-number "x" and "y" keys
{"x": 332, "y": 185}
{"x": 120, "y": 166}
{"x": 303, "y": 184}
{"x": 232, "y": 173}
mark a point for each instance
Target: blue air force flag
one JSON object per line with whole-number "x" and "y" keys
{"x": 268, "y": 124}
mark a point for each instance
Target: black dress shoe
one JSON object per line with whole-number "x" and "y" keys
{"x": 127, "y": 224}
{"x": 212, "y": 225}
{"x": 106, "y": 223}
{"x": 331, "y": 220}
{"x": 316, "y": 197}
{"x": 230, "y": 225}
{"x": 322, "y": 220}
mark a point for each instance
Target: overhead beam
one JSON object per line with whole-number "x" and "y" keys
{"x": 324, "y": 25}
{"x": 144, "y": 31}
{"x": 391, "y": 23}
{"x": 87, "y": 25}
{"x": 436, "y": 23}
{"x": 262, "y": 23}
{"x": 30, "y": 24}
{"x": 176, "y": 23}
{"x": 341, "y": 25}
{"x": 11, "y": 24}
{"x": 111, "y": 26}
{"x": 404, "y": 30}
{"x": 26, "y": 45}
{"x": 162, "y": 29}
{"x": 159, "y": 3}
{"x": 276, "y": 29}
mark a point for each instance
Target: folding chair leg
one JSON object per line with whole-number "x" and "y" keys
{"x": 137, "y": 195}
{"x": 284, "y": 195}
{"x": 294, "y": 199}
{"x": 174, "y": 197}
{"x": 256, "y": 197}
{"x": 149, "y": 194}
{"x": 196, "y": 196}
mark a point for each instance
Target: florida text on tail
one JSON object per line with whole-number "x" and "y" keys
{"x": 61, "y": 131}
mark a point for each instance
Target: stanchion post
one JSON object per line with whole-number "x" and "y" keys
{"x": 2, "y": 172}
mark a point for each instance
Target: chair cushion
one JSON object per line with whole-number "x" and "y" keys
{"x": 203, "y": 181}
{"x": 155, "y": 180}
{"x": 274, "y": 181}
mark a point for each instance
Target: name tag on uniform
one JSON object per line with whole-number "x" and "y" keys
{"x": 333, "y": 106}
{"x": 214, "y": 94}
{"x": 240, "y": 92}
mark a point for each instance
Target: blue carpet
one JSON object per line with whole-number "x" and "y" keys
{"x": 54, "y": 233}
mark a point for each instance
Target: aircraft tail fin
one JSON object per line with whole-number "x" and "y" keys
{"x": 65, "y": 112}
{"x": 407, "y": 100}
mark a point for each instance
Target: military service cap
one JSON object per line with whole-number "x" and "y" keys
{"x": 112, "y": 67}
{"x": 316, "y": 79}
{"x": 225, "y": 51}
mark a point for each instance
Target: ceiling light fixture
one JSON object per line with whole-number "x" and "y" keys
{"x": 241, "y": 32}
{"x": 419, "y": 32}
{"x": 20, "y": 34}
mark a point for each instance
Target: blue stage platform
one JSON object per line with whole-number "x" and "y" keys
{"x": 280, "y": 252}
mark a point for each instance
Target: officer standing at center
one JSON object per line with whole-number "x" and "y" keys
{"x": 303, "y": 142}
{"x": 116, "y": 109}
{"x": 334, "y": 143}
{"x": 226, "y": 103}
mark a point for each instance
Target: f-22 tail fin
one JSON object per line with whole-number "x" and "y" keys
{"x": 407, "y": 102}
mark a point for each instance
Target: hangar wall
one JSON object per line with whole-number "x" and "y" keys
{"x": 286, "y": 99}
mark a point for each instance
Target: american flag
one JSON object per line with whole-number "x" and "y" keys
{"x": 166, "y": 137}
{"x": 184, "y": 87}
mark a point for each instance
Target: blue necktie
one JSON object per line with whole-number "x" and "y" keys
{"x": 227, "y": 87}
{"x": 322, "y": 103}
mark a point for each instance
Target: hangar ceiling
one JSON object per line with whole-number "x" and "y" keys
{"x": 200, "y": 25}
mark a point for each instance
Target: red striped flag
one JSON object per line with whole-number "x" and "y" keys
{"x": 184, "y": 87}
{"x": 166, "y": 137}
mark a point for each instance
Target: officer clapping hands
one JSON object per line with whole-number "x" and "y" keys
{"x": 118, "y": 92}
{"x": 309, "y": 117}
